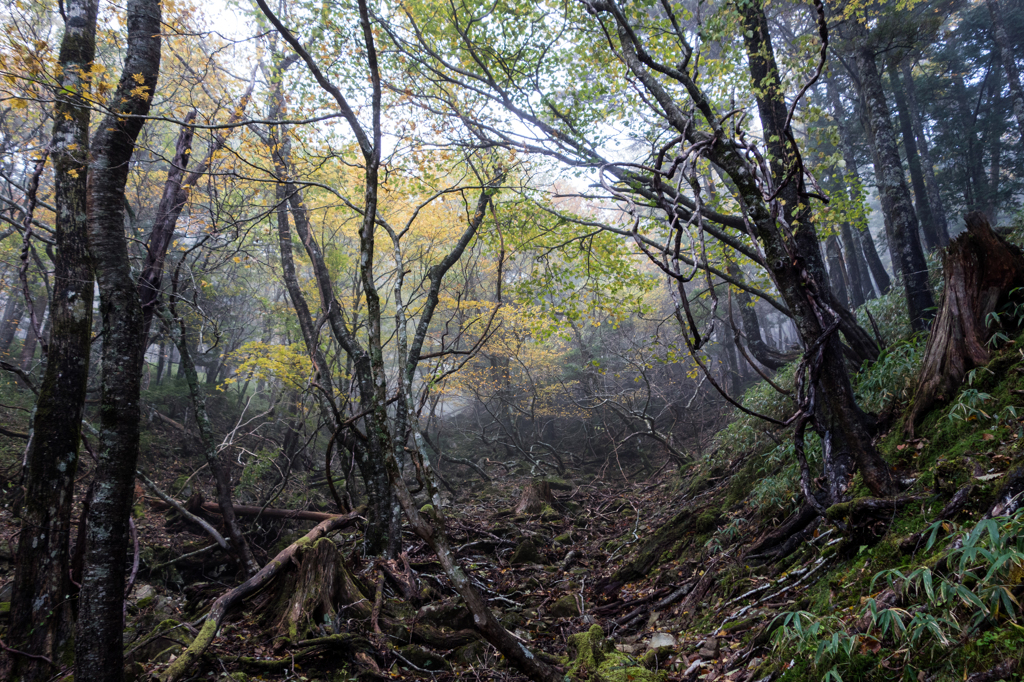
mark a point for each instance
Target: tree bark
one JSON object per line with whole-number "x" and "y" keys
{"x": 28, "y": 350}
{"x": 536, "y": 495}
{"x": 382, "y": 529}
{"x": 1007, "y": 57}
{"x": 40, "y": 619}
{"x": 99, "y": 637}
{"x": 925, "y": 215}
{"x": 878, "y": 272}
{"x": 980, "y": 270}
{"x": 861, "y": 289}
{"x": 762, "y": 352}
{"x": 905, "y": 245}
{"x": 934, "y": 198}
{"x": 13, "y": 312}
{"x": 837, "y": 271}
{"x": 172, "y": 202}
{"x": 841, "y": 420}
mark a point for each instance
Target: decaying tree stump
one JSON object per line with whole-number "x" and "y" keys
{"x": 535, "y": 497}
{"x": 981, "y": 269}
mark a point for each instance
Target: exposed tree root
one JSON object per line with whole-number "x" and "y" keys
{"x": 952, "y": 508}
{"x": 787, "y": 537}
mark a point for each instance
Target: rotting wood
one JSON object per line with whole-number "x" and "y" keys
{"x": 180, "y": 508}
{"x": 981, "y": 269}
{"x": 269, "y": 512}
{"x": 220, "y": 608}
{"x": 535, "y": 497}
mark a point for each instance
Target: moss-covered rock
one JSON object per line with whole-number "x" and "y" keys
{"x": 707, "y": 522}
{"x": 526, "y": 553}
{"x": 423, "y": 658}
{"x": 595, "y": 659}
{"x": 565, "y": 607}
{"x": 548, "y": 514}
{"x": 471, "y": 654}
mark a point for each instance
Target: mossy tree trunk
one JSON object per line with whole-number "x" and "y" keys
{"x": 99, "y": 637}
{"x": 40, "y": 619}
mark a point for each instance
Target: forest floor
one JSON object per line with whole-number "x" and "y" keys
{"x": 677, "y": 569}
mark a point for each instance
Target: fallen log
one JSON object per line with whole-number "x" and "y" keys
{"x": 220, "y": 608}
{"x": 269, "y": 512}
{"x": 178, "y": 507}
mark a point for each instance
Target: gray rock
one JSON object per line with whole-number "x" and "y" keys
{"x": 661, "y": 639}
{"x": 709, "y": 649}
{"x": 526, "y": 553}
{"x": 565, "y": 607}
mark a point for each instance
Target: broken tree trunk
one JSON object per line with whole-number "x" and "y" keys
{"x": 981, "y": 270}
{"x": 224, "y": 603}
{"x": 535, "y": 497}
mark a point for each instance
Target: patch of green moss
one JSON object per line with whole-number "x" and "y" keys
{"x": 707, "y": 522}
{"x": 597, "y": 660}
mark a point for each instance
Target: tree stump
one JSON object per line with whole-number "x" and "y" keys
{"x": 535, "y": 497}
{"x": 980, "y": 269}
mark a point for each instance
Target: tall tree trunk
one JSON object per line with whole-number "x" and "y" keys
{"x": 769, "y": 357}
{"x": 856, "y": 268}
{"x": 172, "y": 202}
{"x": 28, "y": 351}
{"x": 99, "y": 637}
{"x": 1007, "y": 57}
{"x": 841, "y": 421}
{"x": 925, "y": 215}
{"x": 976, "y": 182}
{"x": 994, "y": 135}
{"x": 175, "y": 195}
{"x": 13, "y": 312}
{"x": 382, "y": 529}
{"x": 837, "y": 270}
{"x": 861, "y": 241}
{"x": 40, "y": 620}
{"x": 934, "y": 198}
{"x": 893, "y": 192}
{"x": 874, "y": 261}
{"x": 161, "y": 359}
